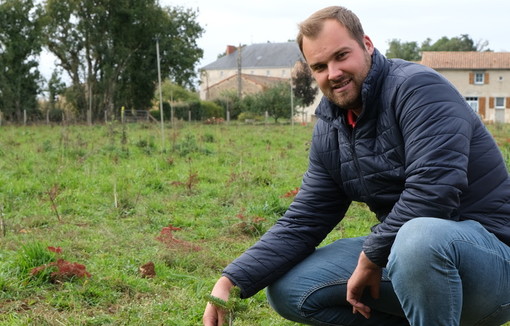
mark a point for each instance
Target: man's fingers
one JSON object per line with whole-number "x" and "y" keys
{"x": 362, "y": 309}
{"x": 213, "y": 316}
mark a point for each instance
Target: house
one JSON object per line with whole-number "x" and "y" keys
{"x": 483, "y": 79}
{"x": 250, "y": 69}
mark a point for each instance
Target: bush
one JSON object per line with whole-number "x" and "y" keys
{"x": 210, "y": 110}
{"x": 250, "y": 116}
{"x": 55, "y": 115}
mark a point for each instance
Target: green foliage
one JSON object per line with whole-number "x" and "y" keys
{"x": 303, "y": 88}
{"x": 275, "y": 100}
{"x": 172, "y": 92}
{"x": 183, "y": 102}
{"x": 230, "y": 101}
{"x": 32, "y": 255}
{"x": 461, "y": 43}
{"x": 403, "y": 50}
{"x": 20, "y": 43}
{"x": 54, "y": 107}
{"x": 411, "y": 51}
{"x": 109, "y": 50}
{"x": 233, "y": 306}
{"x": 188, "y": 146}
{"x": 250, "y": 116}
{"x": 211, "y": 110}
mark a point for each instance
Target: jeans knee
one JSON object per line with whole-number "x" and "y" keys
{"x": 418, "y": 243}
{"x": 279, "y": 296}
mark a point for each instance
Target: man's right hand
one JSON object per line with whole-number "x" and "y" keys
{"x": 213, "y": 315}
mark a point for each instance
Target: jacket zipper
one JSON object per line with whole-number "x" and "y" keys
{"x": 356, "y": 162}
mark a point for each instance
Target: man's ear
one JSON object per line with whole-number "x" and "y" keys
{"x": 369, "y": 46}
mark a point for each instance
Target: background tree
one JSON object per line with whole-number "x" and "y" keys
{"x": 411, "y": 51}
{"x": 20, "y": 44}
{"x": 56, "y": 87}
{"x": 403, "y": 50}
{"x": 108, "y": 49}
{"x": 230, "y": 101}
{"x": 303, "y": 82}
{"x": 461, "y": 43}
{"x": 275, "y": 100}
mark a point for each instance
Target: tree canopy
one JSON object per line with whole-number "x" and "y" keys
{"x": 303, "y": 82}
{"x": 411, "y": 51}
{"x": 20, "y": 44}
{"x": 108, "y": 49}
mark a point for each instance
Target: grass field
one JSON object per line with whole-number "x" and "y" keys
{"x": 90, "y": 206}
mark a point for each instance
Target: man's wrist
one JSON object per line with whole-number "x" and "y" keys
{"x": 366, "y": 262}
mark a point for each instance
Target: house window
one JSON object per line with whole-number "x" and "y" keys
{"x": 500, "y": 103}
{"x": 473, "y": 103}
{"x": 268, "y": 72}
{"x": 479, "y": 78}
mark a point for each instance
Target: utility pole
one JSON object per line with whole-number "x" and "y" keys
{"x": 239, "y": 71}
{"x": 160, "y": 97}
{"x": 291, "y": 97}
{"x": 291, "y": 103}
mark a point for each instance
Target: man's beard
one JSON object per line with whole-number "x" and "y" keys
{"x": 348, "y": 100}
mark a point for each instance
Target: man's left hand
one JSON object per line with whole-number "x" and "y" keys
{"x": 366, "y": 274}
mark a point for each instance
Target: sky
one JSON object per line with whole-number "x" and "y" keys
{"x": 234, "y": 22}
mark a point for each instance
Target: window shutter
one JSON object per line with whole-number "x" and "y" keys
{"x": 507, "y": 100}
{"x": 481, "y": 107}
{"x": 486, "y": 78}
{"x": 471, "y": 78}
{"x": 491, "y": 102}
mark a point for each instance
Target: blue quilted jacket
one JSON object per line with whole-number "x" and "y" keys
{"x": 417, "y": 150}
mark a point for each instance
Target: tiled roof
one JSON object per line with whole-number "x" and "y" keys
{"x": 262, "y": 55}
{"x": 466, "y": 60}
{"x": 263, "y": 81}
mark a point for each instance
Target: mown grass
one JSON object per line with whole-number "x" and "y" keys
{"x": 105, "y": 194}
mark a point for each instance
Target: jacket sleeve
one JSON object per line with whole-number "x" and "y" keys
{"x": 436, "y": 126}
{"x": 316, "y": 209}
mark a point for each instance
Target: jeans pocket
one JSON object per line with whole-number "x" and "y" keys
{"x": 497, "y": 318}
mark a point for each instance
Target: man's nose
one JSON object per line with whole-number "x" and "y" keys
{"x": 334, "y": 70}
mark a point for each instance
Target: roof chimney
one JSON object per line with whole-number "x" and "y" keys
{"x": 231, "y": 49}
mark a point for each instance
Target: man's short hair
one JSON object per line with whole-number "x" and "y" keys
{"x": 312, "y": 26}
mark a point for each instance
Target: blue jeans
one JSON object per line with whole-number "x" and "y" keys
{"x": 439, "y": 273}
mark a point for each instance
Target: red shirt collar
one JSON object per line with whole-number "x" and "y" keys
{"x": 351, "y": 118}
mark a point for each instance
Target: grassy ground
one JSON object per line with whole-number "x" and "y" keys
{"x": 110, "y": 199}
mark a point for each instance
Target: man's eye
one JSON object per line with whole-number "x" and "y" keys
{"x": 341, "y": 55}
{"x": 319, "y": 68}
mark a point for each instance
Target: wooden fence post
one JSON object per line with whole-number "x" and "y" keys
{"x": 2, "y": 222}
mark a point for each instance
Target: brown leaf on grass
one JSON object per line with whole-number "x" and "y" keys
{"x": 291, "y": 193}
{"x": 166, "y": 237}
{"x": 147, "y": 270}
{"x": 64, "y": 270}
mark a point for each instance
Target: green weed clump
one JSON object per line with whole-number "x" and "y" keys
{"x": 30, "y": 256}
